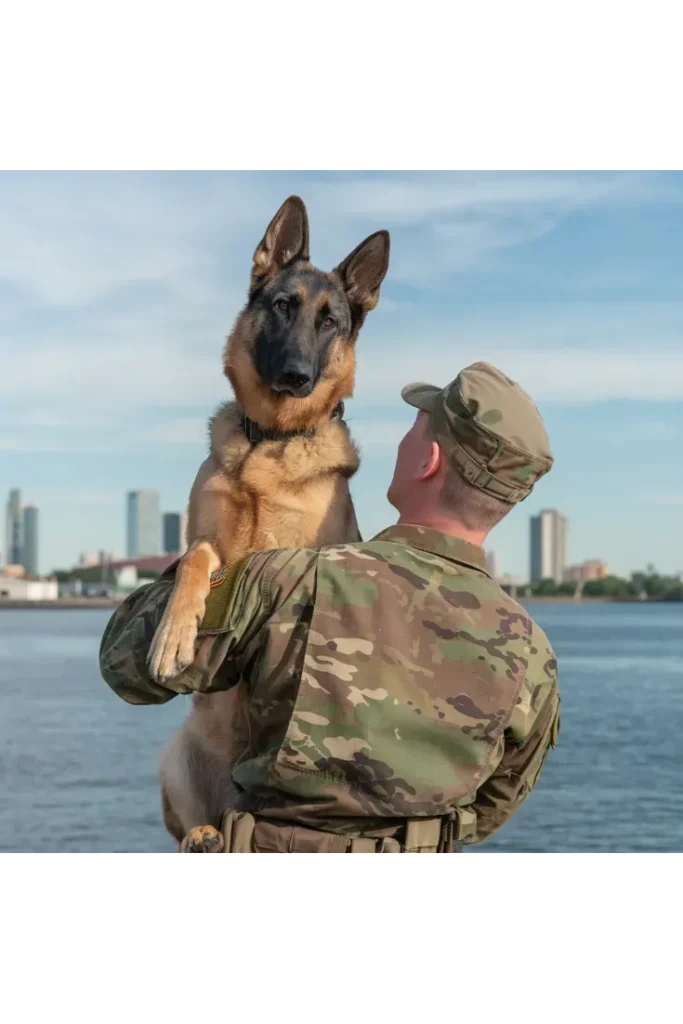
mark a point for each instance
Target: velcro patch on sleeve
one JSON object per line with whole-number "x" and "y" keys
{"x": 221, "y": 589}
{"x": 218, "y": 576}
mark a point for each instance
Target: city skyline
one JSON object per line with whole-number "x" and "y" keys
{"x": 122, "y": 287}
{"x": 172, "y": 526}
{"x": 149, "y": 532}
{"x": 22, "y": 544}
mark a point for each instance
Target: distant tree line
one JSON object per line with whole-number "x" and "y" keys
{"x": 660, "y": 588}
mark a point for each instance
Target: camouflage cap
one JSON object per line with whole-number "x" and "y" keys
{"x": 489, "y": 429}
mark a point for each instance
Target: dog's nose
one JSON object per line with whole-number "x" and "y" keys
{"x": 296, "y": 377}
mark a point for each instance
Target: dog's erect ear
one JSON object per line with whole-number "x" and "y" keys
{"x": 362, "y": 272}
{"x": 286, "y": 239}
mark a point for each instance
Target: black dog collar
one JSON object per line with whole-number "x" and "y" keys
{"x": 255, "y": 433}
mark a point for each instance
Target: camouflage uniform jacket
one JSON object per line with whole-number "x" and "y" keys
{"x": 387, "y": 679}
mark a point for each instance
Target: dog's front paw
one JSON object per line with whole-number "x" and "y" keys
{"x": 203, "y": 839}
{"x": 173, "y": 646}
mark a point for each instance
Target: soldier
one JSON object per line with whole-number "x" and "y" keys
{"x": 399, "y": 700}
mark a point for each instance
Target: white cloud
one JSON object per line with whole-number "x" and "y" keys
{"x": 80, "y": 401}
{"x": 70, "y": 238}
{"x": 88, "y": 373}
{"x": 456, "y": 220}
{"x": 564, "y": 375}
{"x": 663, "y": 499}
{"x": 437, "y": 196}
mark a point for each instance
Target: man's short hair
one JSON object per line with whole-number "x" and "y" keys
{"x": 471, "y": 506}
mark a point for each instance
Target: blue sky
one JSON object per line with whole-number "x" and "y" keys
{"x": 117, "y": 290}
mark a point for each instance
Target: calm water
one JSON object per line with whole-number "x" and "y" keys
{"x": 78, "y": 765}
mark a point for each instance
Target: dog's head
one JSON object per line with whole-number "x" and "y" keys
{"x": 291, "y": 356}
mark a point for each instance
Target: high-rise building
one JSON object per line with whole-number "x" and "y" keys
{"x": 13, "y": 529}
{"x": 143, "y": 524}
{"x": 548, "y": 545}
{"x": 174, "y": 533}
{"x": 493, "y": 564}
{"x": 29, "y": 558}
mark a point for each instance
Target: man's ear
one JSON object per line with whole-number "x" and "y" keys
{"x": 363, "y": 271}
{"x": 285, "y": 240}
{"x": 433, "y": 464}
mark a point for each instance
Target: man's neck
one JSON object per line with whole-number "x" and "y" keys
{"x": 445, "y": 524}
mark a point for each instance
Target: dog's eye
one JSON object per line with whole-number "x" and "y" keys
{"x": 328, "y": 322}
{"x": 282, "y": 305}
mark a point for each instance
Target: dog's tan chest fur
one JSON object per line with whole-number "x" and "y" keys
{"x": 289, "y": 493}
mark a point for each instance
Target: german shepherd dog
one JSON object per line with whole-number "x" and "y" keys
{"x": 277, "y": 476}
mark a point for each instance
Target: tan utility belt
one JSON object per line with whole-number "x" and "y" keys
{"x": 245, "y": 833}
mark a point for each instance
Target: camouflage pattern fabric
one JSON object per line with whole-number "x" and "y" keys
{"x": 489, "y": 428}
{"x": 388, "y": 679}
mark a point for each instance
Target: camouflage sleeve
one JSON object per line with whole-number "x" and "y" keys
{"x": 239, "y": 605}
{"x": 533, "y": 729}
